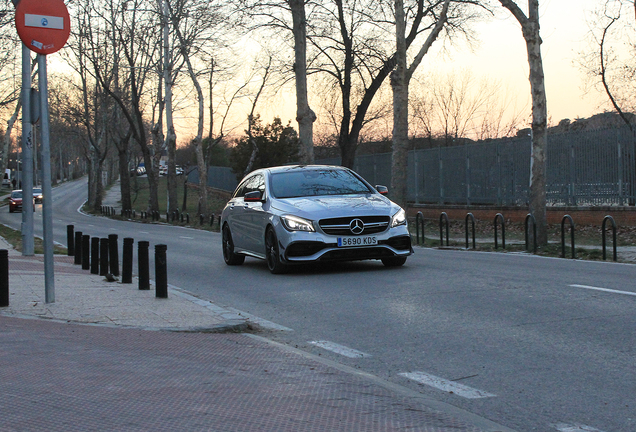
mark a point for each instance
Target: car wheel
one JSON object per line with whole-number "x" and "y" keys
{"x": 229, "y": 256}
{"x": 10, "y": 210}
{"x": 394, "y": 261}
{"x": 272, "y": 253}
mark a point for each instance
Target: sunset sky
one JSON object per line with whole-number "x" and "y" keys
{"x": 502, "y": 56}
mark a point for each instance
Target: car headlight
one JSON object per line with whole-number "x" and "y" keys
{"x": 398, "y": 218}
{"x": 295, "y": 223}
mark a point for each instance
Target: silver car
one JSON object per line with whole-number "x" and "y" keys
{"x": 298, "y": 214}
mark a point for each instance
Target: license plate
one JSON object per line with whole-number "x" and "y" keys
{"x": 357, "y": 241}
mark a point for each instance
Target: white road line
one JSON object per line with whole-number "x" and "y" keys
{"x": 339, "y": 349}
{"x": 564, "y": 427}
{"x": 604, "y": 290}
{"x": 188, "y": 238}
{"x": 447, "y": 386}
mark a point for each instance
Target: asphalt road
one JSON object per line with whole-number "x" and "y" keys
{"x": 536, "y": 344}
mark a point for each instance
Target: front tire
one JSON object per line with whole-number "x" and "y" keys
{"x": 229, "y": 256}
{"x": 396, "y": 261}
{"x": 272, "y": 253}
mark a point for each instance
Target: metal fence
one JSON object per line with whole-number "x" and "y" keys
{"x": 584, "y": 168}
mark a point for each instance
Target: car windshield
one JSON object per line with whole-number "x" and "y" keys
{"x": 37, "y": 190}
{"x": 314, "y": 182}
{"x": 16, "y": 194}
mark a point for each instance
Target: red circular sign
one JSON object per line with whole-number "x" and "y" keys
{"x": 43, "y": 26}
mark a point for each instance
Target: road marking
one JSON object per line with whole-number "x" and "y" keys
{"x": 447, "y": 386}
{"x": 144, "y": 232}
{"x": 604, "y": 290}
{"x": 564, "y": 427}
{"x": 340, "y": 349}
{"x": 188, "y": 238}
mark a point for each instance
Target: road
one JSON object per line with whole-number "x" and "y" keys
{"x": 533, "y": 343}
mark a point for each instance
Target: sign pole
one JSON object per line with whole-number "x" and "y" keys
{"x": 44, "y": 27}
{"x": 28, "y": 247}
{"x": 47, "y": 204}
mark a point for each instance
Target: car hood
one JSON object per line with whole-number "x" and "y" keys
{"x": 336, "y": 206}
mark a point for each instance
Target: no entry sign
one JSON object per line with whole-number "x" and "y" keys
{"x": 43, "y": 26}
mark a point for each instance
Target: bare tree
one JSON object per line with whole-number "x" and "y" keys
{"x": 530, "y": 30}
{"x": 400, "y": 79}
{"x": 274, "y": 14}
{"x": 456, "y": 105}
{"x": 133, "y": 27}
{"x": 609, "y": 62}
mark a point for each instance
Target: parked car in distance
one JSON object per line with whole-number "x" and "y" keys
{"x": 37, "y": 195}
{"x": 298, "y": 214}
{"x": 15, "y": 201}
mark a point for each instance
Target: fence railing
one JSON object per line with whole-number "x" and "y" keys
{"x": 583, "y": 168}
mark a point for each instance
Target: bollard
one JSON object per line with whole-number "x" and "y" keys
{"x": 443, "y": 220}
{"x": 127, "y": 261}
{"x": 4, "y": 278}
{"x": 95, "y": 255}
{"x": 78, "y": 248}
{"x": 86, "y": 264}
{"x": 70, "y": 240}
{"x": 499, "y": 217}
{"x": 103, "y": 256}
{"x": 470, "y": 217}
{"x": 142, "y": 257}
{"x": 161, "y": 271}
{"x": 113, "y": 254}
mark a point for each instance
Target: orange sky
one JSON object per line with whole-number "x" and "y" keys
{"x": 502, "y": 56}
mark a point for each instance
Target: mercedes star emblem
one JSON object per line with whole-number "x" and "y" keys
{"x": 356, "y": 226}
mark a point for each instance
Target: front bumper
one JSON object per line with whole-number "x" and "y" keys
{"x": 303, "y": 248}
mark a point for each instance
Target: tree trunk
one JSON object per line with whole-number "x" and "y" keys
{"x": 399, "y": 84}
{"x": 171, "y": 136}
{"x": 304, "y": 114}
{"x": 6, "y": 148}
{"x": 530, "y": 30}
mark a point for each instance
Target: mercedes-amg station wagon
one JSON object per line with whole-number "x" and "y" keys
{"x": 298, "y": 214}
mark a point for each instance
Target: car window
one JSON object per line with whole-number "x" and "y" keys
{"x": 292, "y": 184}
{"x": 251, "y": 184}
{"x": 15, "y": 194}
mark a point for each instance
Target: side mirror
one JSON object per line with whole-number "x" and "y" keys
{"x": 383, "y": 190}
{"x": 254, "y": 196}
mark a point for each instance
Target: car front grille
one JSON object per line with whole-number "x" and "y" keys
{"x": 342, "y": 226}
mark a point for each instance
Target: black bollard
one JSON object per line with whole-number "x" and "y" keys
{"x": 142, "y": 257}
{"x": 78, "y": 248}
{"x": 161, "y": 272}
{"x": 127, "y": 261}
{"x": 70, "y": 240}
{"x": 95, "y": 255}
{"x": 113, "y": 254}
{"x": 4, "y": 278}
{"x": 103, "y": 256}
{"x": 86, "y": 264}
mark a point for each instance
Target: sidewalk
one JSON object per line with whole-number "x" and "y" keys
{"x": 87, "y": 362}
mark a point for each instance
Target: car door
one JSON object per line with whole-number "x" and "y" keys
{"x": 235, "y": 218}
{"x": 254, "y": 217}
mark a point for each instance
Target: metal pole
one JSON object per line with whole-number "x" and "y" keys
{"x": 47, "y": 202}
{"x": 28, "y": 242}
